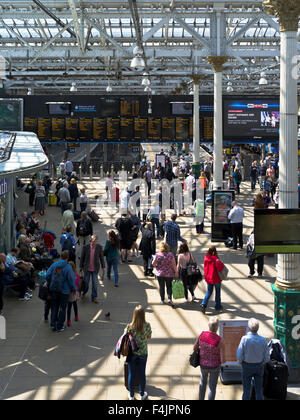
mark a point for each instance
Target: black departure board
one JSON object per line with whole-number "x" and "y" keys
{"x": 72, "y": 129}
{"x": 140, "y": 128}
{"x": 126, "y": 129}
{"x": 182, "y": 128}
{"x": 113, "y": 128}
{"x": 208, "y": 129}
{"x": 154, "y": 129}
{"x": 129, "y": 108}
{"x": 30, "y": 124}
{"x": 85, "y": 128}
{"x": 99, "y": 129}
{"x": 168, "y": 129}
{"x": 44, "y": 128}
{"x": 191, "y": 128}
{"x": 58, "y": 129}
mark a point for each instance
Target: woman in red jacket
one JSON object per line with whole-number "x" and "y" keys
{"x": 212, "y": 266}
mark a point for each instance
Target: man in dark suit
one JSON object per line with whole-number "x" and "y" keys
{"x": 91, "y": 259}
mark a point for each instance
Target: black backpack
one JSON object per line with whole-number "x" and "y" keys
{"x": 83, "y": 228}
{"x": 68, "y": 244}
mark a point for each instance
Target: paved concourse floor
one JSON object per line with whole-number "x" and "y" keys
{"x": 36, "y": 363}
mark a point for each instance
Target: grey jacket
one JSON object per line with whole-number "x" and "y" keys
{"x": 98, "y": 258}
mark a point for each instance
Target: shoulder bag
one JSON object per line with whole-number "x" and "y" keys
{"x": 194, "y": 358}
{"x": 193, "y": 272}
{"x": 224, "y": 273}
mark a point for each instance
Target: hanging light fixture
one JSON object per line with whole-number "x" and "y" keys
{"x": 147, "y": 89}
{"x": 263, "y": 80}
{"x": 229, "y": 87}
{"x": 109, "y": 88}
{"x": 146, "y": 82}
{"x": 73, "y": 88}
{"x": 137, "y": 63}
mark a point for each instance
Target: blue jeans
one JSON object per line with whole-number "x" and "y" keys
{"x": 59, "y": 302}
{"x": 138, "y": 362}
{"x": 155, "y": 221}
{"x": 113, "y": 263}
{"x": 210, "y": 289}
{"x": 86, "y": 280}
{"x": 255, "y": 371}
{"x": 253, "y": 182}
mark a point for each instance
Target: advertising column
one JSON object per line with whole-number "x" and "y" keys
{"x": 287, "y": 286}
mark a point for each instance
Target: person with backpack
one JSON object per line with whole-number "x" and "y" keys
{"x": 68, "y": 243}
{"x": 61, "y": 281}
{"x": 237, "y": 179}
{"x": 84, "y": 230}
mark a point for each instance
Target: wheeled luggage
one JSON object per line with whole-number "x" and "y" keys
{"x": 52, "y": 199}
{"x": 115, "y": 195}
{"x": 93, "y": 216}
{"x": 275, "y": 380}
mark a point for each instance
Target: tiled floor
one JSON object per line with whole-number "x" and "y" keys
{"x": 36, "y": 363}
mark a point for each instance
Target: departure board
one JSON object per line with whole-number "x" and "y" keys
{"x": 140, "y": 128}
{"x": 208, "y": 129}
{"x": 191, "y": 128}
{"x": 126, "y": 129}
{"x": 154, "y": 129}
{"x": 99, "y": 128}
{"x": 182, "y": 128}
{"x": 72, "y": 129}
{"x": 58, "y": 129}
{"x": 85, "y": 128}
{"x": 168, "y": 129}
{"x": 113, "y": 128}
{"x": 44, "y": 128}
{"x": 30, "y": 124}
{"x": 129, "y": 108}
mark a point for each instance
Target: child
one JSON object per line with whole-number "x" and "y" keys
{"x": 83, "y": 200}
{"x": 73, "y": 297}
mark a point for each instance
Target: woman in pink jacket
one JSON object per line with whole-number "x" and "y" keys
{"x": 212, "y": 266}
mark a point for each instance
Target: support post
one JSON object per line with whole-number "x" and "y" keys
{"x": 196, "y": 128}
{"x": 287, "y": 286}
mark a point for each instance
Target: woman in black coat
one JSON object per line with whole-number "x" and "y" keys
{"x": 74, "y": 194}
{"x": 147, "y": 247}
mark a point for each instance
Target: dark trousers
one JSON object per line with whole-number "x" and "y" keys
{"x": 75, "y": 306}
{"x": 1, "y": 296}
{"x": 31, "y": 199}
{"x": 253, "y": 182}
{"x": 260, "y": 264}
{"x": 165, "y": 282}
{"x": 59, "y": 302}
{"x": 83, "y": 207}
{"x": 186, "y": 284}
{"x": 47, "y": 308}
{"x": 237, "y": 233}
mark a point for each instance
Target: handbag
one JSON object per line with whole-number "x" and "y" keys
{"x": 44, "y": 293}
{"x": 178, "y": 289}
{"x": 193, "y": 272}
{"x": 250, "y": 253}
{"x": 195, "y": 356}
{"x": 224, "y": 273}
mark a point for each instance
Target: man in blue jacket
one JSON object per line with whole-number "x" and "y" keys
{"x": 61, "y": 281}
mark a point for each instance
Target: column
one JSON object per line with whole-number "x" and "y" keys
{"x": 217, "y": 62}
{"x": 196, "y": 128}
{"x": 287, "y": 286}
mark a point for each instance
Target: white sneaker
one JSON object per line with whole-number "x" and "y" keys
{"x": 28, "y": 295}
{"x": 25, "y": 298}
{"x": 130, "y": 398}
{"x": 145, "y": 396}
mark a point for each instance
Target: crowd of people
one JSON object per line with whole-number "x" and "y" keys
{"x": 69, "y": 272}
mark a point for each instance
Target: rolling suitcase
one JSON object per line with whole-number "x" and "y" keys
{"x": 115, "y": 195}
{"x": 136, "y": 382}
{"x": 93, "y": 216}
{"x": 275, "y": 380}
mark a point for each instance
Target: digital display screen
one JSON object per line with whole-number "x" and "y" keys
{"x": 85, "y": 128}
{"x": 154, "y": 129}
{"x": 168, "y": 129}
{"x": 126, "y": 128}
{"x": 252, "y": 119}
{"x": 277, "y": 231}
{"x": 72, "y": 129}
{"x": 99, "y": 129}
{"x": 109, "y": 107}
{"x": 30, "y": 124}
{"x": 129, "y": 108}
{"x": 113, "y": 128}
{"x": 140, "y": 128}
{"x": 10, "y": 115}
{"x": 44, "y": 128}
{"x": 182, "y": 108}
{"x": 182, "y": 128}
{"x": 59, "y": 108}
{"x": 207, "y": 129}
{"x": 58, "y": 128}
{"x": 221, "y": 206}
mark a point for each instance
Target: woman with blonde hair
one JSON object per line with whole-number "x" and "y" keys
{"x": 165, "y": 270}
{"x": 141, "y": 331}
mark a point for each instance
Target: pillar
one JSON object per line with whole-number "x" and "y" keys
{"x": 196, "y": 128}
{"x": 287, "y": 286}
{"x": 217, "y": 62}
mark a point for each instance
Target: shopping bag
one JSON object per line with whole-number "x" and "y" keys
{"x": 178, "y": 289}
